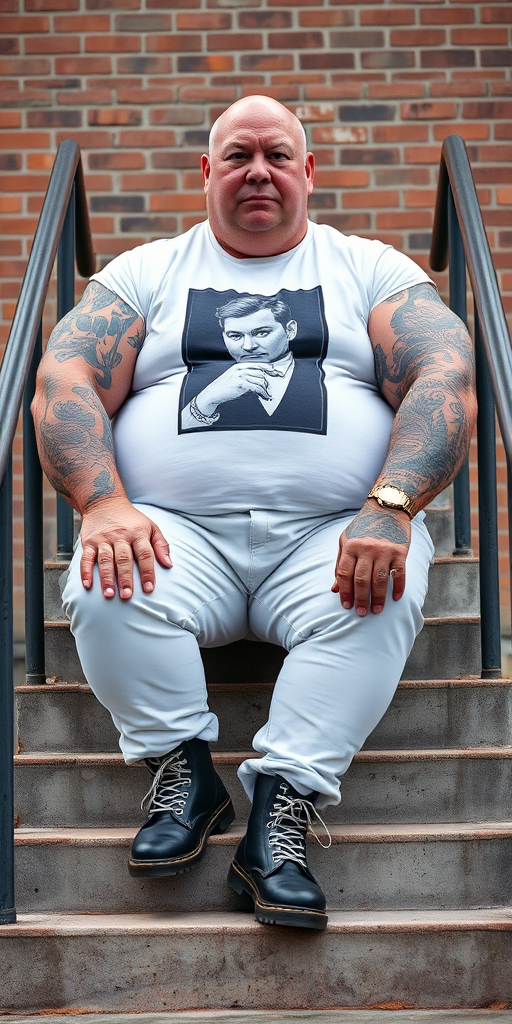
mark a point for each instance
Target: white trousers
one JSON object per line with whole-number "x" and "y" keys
{"x": 270, "y": 574}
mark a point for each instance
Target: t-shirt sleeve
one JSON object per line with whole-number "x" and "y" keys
{"x": 393, "y": 272}
{"x": 134, "y": 274}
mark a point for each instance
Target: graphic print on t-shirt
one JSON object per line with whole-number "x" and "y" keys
{"x": 254, "y": 361}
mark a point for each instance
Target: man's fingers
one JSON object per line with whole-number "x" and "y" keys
{"x": 87, "y": 565}
{"x": 380, "y": 580}
{"x": 345, "y": 579}
{"x": 124, "y": 569}
{"x": 160, "y": 547}
{"x": 362, "y": 585}
{"x": 397, "y": 574}
{"x": 106, "y": 570}
{"x": 144, "y": 556}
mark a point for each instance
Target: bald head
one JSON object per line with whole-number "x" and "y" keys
{"x": 249, "y": 106}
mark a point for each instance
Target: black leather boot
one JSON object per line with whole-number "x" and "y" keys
{"x": 187, "y": 801}
{"x": 270, "y": 864}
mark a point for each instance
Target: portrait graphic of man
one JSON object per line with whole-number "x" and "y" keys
{"x": 266, "y": 386}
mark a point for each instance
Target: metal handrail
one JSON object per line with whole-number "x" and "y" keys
{"x": 67, "y": 170}
{"x": 64, "y": 210}
{"x": 459, "y": 234}
{"x": 455, "y": 172}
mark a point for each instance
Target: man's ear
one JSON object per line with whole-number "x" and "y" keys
{"x": 310, "y": 171}
{"x": 205, "y": 170}
{"x": 291, "y": 329}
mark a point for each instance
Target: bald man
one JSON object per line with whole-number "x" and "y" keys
{"x": 258, "y": 524}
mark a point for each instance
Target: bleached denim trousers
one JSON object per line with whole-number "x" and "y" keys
{"x": 268, "y": 574}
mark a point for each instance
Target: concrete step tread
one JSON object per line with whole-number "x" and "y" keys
{"x": 444, "y": 831}
{"x": 236, "y": 757}
{"x": 405, "y": 684}
{"x": 217, "y": 922}
{"x": 433, "y": 620}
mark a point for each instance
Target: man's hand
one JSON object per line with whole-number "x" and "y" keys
{"x": 233, "y": 383}
{"x": 373, "y": 548}
{"x": 115, "y": 533}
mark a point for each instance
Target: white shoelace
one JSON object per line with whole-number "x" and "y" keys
{"x": 167, "y": 792}
{"x": 292, "y": 821}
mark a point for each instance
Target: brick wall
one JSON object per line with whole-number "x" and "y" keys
{"x": 378, "y": 86}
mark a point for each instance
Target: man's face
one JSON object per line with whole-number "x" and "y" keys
{"x": 257, "y": 179}
{"x": 257, "y": 336}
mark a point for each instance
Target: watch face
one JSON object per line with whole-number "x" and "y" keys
{"x": 392, "y": 496}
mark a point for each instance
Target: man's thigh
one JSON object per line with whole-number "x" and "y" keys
{"x": 201, "y": 593}
{"x": 296, "y": 602}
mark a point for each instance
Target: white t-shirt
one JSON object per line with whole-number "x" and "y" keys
{"x": 241, "y": 401}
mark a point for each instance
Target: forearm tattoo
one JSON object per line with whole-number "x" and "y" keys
{"x": 76, "y": 443}
{"x": 428, "y": 376}
{"x": 370, "y": 523}
{"x": 93, "y": 337}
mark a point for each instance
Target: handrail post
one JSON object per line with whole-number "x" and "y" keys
{"x": 487, "y": 515}
{"x": 7, "y": 904}
{"x": 457, "y": 277}
{"x": 65, "y": 302}
{"x": 33, "y": 528}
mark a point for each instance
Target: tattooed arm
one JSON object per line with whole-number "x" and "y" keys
{"x": 424, "y": 368}
{"x": 83, "y": 379}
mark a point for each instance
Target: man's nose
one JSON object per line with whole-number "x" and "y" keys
{"x": 258, "y": 169}
{"x": 248, "y": 343}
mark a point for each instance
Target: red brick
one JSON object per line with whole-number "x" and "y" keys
{"x": 144, "y": 65}
{"x": 52, "y": 5}
{"x": 178, "y": 42}
{"x": 315, "y": 112}
{"x": 27, "y": 98}
{"x": 147, "y": 138}
{"x": 193, "y": 179}
{"x": 10, "y": 204}
{"x": 447, "y": 15}
{"x": 283, "y": 93}
{"x": 496, "y": 58}
{"x": 11, "y": 6}
{"x": 101, "y": 5}
{"x": 114, "y": 117}
{"x": 324, "y": 157}
{"x": 115, "y": 161}
{"x": 10, "y": 247}
{"x": 82, "y": 22}
{"x": 40, "y": 161}
{"x": 264, "y": 19}
{"x": 499, "y": 13}
{"x": 345, "y": 221}
{"x": 418, "y": 37}
{"x": 387, "y": 176}
{"x": 404, "y": 219}
{"x": 342, "y": 179}
{"x": 84, "y": 97}
{"x": 311, "y": 61}
{"x": 52, "y": 44}
{"x": 191, "y": 221}
{"x": 89, "y": 140}
{"x": 503, "y": 131}
{"x": 460, "y": 88}
{"x": 422, "y": 154}
{"x": 202, "y": 94}
{"x": 488, "y": 110}
{"x": 112, "y": 44}
{"x": 181, "y": 201}
{"x": 146, "y": 96}
{"x": 393, "y": 16}
{"x": 9, "y": 45}
{"x": 83, "y": 65}
{"x": 21, "y": 66}
{"x": 427, "y": 111}
{"x": 235, "y": 41}
{"x": 179, "y": 158}
{"x": 369, "y": 155}
{"x": 23, "y": 182}
{"x": 54, "y": 118}
{"x": 18, "y": 225}
{"x": 178, "y": 114}
{"x": 447, "y": 58}
{"x": 25, "y": 140}
{"x": 219, "y": 62}
{"x": 349, "y": 90}
{"x": 244, "y": 79}
{"x": 388, "y": 59}
{"x": 400, "y": 133}
{"x": 468, "y": 131}
{"x": 480, "y": 36}
{"x": 102, "y": 225}
{"x": 397, "y": 90}
{"x": 372, "y": 199}
{"x": 249, "y": 61}
{"x": 321, "y": 18}
{"x": 339, "y": 134}
{"x": 421, "y": 197}
{"x": 492, "y": 175}
{"x": 98, "y": 182}
{"x": 501, "y": 88}
{"x": 203, "y": 22}
{"x": 357, "y": 39}
{"x": 20, "y": 25}
{"x": 143, "y": 22}
{"x": 10, "y": 119}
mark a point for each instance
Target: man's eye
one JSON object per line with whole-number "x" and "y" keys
{"x": 236, "y": 156}
{"x": 280, "y": 156}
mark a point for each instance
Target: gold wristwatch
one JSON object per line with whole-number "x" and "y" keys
{"x": 389, "y": 496}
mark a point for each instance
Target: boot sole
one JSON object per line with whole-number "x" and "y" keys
{"x": 218, "y": 823}
{"x": 291, "y": 917}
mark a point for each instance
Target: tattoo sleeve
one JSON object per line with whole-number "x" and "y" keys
{"x": 426, "y": 374}
{"x": 88, "y": 333}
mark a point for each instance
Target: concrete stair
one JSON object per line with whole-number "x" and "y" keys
{"x": 418, "y": 878}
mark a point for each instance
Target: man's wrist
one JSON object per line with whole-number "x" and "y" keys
{"x": 394, "y": 498}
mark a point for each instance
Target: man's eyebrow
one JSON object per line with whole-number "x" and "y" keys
{"x": 242, "y": 143}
